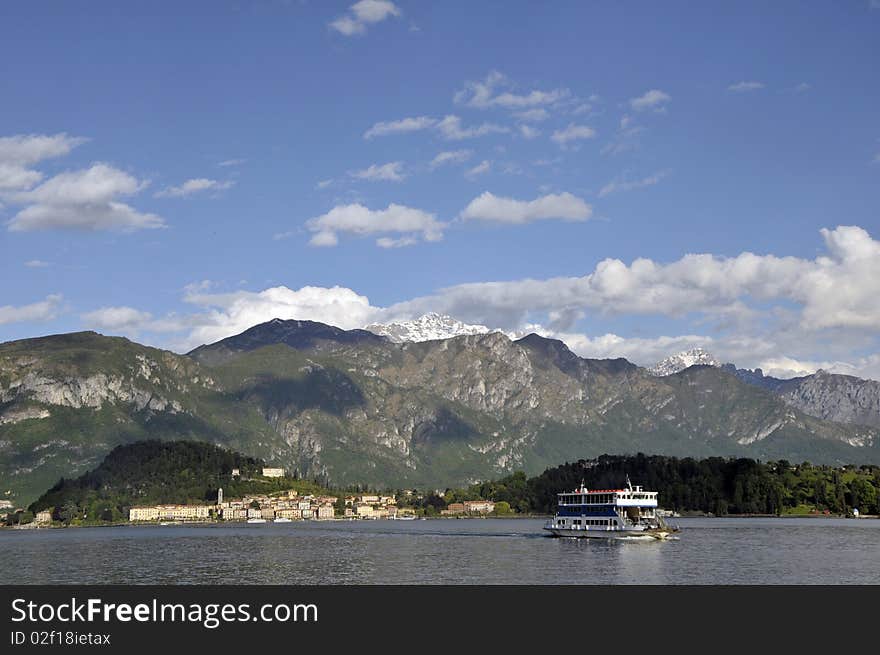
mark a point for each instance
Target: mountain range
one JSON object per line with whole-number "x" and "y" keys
{"x": 352, "y": 406}
{"x": 429, "y": 327}
{"x": 680, "y": 361}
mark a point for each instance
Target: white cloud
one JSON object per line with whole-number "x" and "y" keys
{"x": 529, "y": 132}
{"x": 231, "y": 162}
{"x": 323, "y": 184}
{"x": 36, "y": 263}
{"x": 483, "y": 167}
{"x": 324, "y": 239}
{"x": 744, "y": 87}
{"x": 19, "y": 152}
{"x": 15, "y": 177}
{"x": 582, "y": 108}
{"x": 623, "y": 185}
{"x": 82, "y": 200}
{"x": 362, "y": 14}
{"x": 653, "y": 99}
{"x": 627, "y": 137}
{"x": 572, "y": 133}
{"x": 356, "y": 219}
{"x": 402, "y": 126}
{"x": 788, "y": 367}
{"x": 563, "y": 206}
{"x": 116, "y": 318}
{"x": 449, "y": 127}
{"x": 533, "y": 115}
{"x": 840, "y": 290}
{"x": 803, "y": 87}
{"x": 482, "y": 94}
{"x": 192, "y": 186}
{"x": 43, "y": 310}
{"x": 390, "y": 172}
{"x": 451, "y": 157}
{"x": 227, "y": 314}
{"x": 200, "y": 285}
{"x": 387, "y": 242}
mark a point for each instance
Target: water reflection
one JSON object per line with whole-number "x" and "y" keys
{"x": 710, "y": 551}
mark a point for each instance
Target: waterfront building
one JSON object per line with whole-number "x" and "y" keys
{"x": 44, "y": 517}
{"x": 364, "y": 511}
{"x": 143, "y": 514}
{"x": 169, "y": 512}
{"x": 479, "y": 506}
{"x": 184, "y": 512}
{"x": 325, "y": 511}
{"x": 273, "y": 472}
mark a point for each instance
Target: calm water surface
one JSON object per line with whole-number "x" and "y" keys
{"x": 491, "y": 551}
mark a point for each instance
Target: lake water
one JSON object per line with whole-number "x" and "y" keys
{"x": 490, "y": 551}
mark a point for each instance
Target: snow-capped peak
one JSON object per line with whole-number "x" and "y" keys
{"x": 683, "y": 360}
{"x": 429, "y": 327}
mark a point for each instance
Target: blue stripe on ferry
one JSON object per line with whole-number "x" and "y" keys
{"x": 569, "y": 511}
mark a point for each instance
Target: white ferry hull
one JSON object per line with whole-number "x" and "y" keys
{"x": 610, "y": 534}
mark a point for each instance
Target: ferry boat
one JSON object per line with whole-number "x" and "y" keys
{"x": 281, "y": 519}
{"x": 609, "y": 514}
{"x": 255, "y": 520}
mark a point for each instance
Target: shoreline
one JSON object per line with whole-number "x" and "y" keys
{"x": 145, "y": 524}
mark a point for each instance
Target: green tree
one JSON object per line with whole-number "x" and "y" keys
{"x": 68, "y": 512}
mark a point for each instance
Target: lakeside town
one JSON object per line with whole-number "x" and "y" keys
{"x": 183, "y": 482}
{"x": 281, "y": 506}
{"x": 290, "y": 505}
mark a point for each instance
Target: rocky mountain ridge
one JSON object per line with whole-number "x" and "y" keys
{"x": 354, "y": 407}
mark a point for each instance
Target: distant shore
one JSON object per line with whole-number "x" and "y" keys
{"x": 684, "y": 515}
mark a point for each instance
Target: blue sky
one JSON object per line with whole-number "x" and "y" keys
{"x": 175, "y": 172}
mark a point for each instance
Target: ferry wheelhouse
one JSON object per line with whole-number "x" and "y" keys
{"x": 608, "y": 514}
